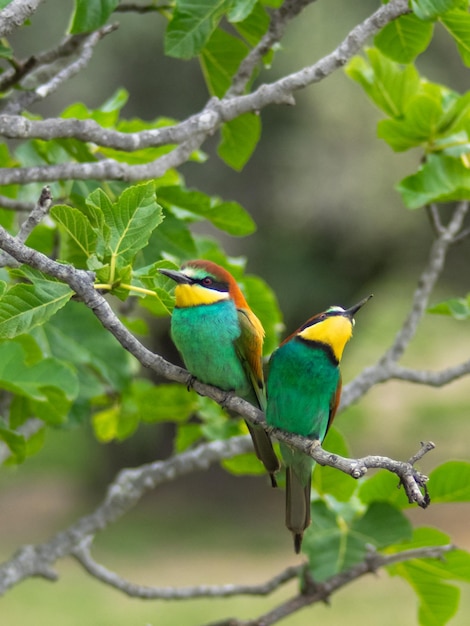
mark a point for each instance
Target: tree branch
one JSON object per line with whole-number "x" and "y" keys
{"x": 278, "y": 24}
{"x": 35, "y": 217}
{"x": 321, "y": 592}
{"x": 15, "y": 14}
{"x": 51, "y": 74}
{"x": 386, "y": 368}
{"x": 83, "y": 556}
{"x": 196, "y": 129}
{"x": 82, "y": 283}
{"x": 122, "y": 494}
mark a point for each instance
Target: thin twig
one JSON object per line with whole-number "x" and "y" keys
{"x": 56, "y": 76}
{"x": 83, "y": 556}
{"x": 386, "y": 368}
{"x": 35, "y": 217}
{"x": 278, "y": 24}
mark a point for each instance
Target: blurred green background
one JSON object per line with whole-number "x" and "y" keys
{"x": 331, "y": 229}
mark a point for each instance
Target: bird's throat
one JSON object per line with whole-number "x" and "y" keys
{"x": 197, "y": 295}
{"x": 334, "y": 332}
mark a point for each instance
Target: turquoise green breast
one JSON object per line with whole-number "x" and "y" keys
{"x": 301, "y": 384}
{"x": 205, "y": 335}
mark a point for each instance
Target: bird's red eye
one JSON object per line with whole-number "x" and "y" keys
{"x": 207, "y": 282}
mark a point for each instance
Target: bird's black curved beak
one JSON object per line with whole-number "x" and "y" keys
{"x": 354, "y": 309}
{"x": 178, "y": 277}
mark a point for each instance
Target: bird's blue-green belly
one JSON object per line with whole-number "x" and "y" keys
{"x": 205, "y": 336}
{"x": 301, "y": 385}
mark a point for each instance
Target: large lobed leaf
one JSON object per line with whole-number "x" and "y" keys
{"x": 25, "y": 306}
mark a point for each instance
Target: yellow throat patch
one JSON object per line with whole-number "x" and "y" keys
{"x": 334, "y": 331}
{"x": 196, "y": 295}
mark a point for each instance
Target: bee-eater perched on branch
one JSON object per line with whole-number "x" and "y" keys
{"x": 303, "y": 390}
{"x": 221, "y": 340}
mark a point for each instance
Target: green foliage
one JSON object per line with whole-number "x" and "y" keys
{"x": 91, "y": 14}
{"x": 340, "y": 536}
{"x": 57, "y": 363}
{"x": 438, "y": 600}
{"x": 421, "y": 114}
{"x": 459, "y": 308}
{"x": 24, "y": 306}
{"x": 343, "y": 531}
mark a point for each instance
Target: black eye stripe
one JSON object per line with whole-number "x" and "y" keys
{"x": 213, "y": 284}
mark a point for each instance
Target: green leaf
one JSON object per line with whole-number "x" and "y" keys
{"x": 431, "y": 9}
{"x": 105, "y": 424}
{"x": 239, "y": 139}
{"x": 383, "y": 487}
{"x": 76, "y": 335}
{"x": 254, "y": 26}
{"x": 420, "y": 123}
{"x": 106, "y": 115}
{"x": 220, "y": 60}
{"x": 91, "y": 14}
{"x": 241, "y": 9}
{"x": 82, "y": 237}
{"x": 34, "y": 380}
{"x": 457, "y": 24}
{"x": 389, "y": 85}
{"x": 230, "y": 217}
{"x": 192, "y": 24}
{"x": 128, "y": 222}
{"x": 16, "y": 443}
{"x": 214, "y": 421}
{"x": 333, "y": 544}
{"x": 164, "y": 402}
{"x": 382, "y": 525}
{"x": 440, "y": 179}
{"x": 404, "y": 38}
{"x": 5, "y": 51}
{"x": 187, "y": 435}
{"x": 171, "y": 237}
{"x": 25, "y": 306}
{"x": 450, "y": 482}
{"x": 328, "y": 480}
{"x": 244, "y": 464}
{"x": 458, "y": 308}
{"x": 161, "y": 303}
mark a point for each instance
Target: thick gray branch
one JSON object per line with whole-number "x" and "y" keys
{"x": 15, "y": 14}
{"x": 201, "y": 125}
{"x": 81, "y": 282}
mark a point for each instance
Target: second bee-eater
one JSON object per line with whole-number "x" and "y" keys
{"x": 303, "y": 390}
{"x": 220, "y": 340}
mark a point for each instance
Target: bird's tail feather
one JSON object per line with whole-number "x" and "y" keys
{"x": 264, "y": 450}
{"x": 297, "y": 504}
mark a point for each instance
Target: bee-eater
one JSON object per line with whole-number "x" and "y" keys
{"x": 303, "y": 390}
{"x": 220, "y": 340}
